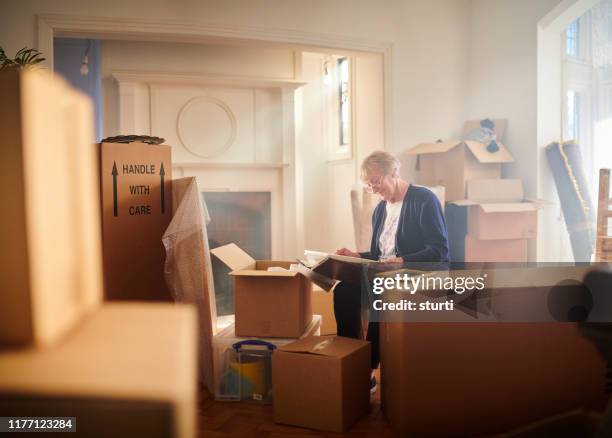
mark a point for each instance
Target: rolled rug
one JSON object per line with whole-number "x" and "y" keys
{"x": 567, "y": 168}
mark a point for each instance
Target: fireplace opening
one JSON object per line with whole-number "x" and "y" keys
{"x": 243, "y": 218}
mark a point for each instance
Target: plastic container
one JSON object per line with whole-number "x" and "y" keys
{"x": 243, "y": 366}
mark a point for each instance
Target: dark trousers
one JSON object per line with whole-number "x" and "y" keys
{"x": 349, "y": 309}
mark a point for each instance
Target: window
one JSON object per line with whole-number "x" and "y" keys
{"x": 343, "y": 102}
{"x": 572, "y": 125}
{"x": 338, "y": 87}
{"x": 571, "y": 39}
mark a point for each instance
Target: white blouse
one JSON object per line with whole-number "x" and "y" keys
{"x": 389, "y": 231}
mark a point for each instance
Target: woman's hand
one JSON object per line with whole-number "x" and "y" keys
{"x": 347, "y": 252}
{"x": 393, "y": 260}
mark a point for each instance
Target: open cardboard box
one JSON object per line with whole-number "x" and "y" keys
{"x": 498, "y": 210}
{"x": 452, "y": 163}
{"x": 267, "y": 303}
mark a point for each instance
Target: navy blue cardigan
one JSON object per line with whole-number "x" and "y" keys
{"x": 421, "y": 229}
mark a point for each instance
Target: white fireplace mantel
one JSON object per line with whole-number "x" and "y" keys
{"x": 204, "y": 79}
{"x": 239, "y": 135}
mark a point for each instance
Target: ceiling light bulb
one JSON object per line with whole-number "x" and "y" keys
{"x": 85, "y": 66}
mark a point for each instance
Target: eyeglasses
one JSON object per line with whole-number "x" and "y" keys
{"x": 371, "y": 186}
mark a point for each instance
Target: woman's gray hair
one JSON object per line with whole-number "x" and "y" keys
{"x": 381, "y": 160}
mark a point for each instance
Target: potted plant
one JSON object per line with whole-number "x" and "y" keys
{"x": 24, "y": 58}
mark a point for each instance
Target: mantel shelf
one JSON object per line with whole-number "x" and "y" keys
{"x": 212, "y": 165}
{"x": 204, "y": 79}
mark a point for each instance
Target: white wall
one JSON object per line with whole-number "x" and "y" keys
{"x": 429, "y": 42}
{"x": 503, "y": 76}
{"x": 161, "y": 57}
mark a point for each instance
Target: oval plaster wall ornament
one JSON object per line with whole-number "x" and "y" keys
{"x": 206, "y": 126}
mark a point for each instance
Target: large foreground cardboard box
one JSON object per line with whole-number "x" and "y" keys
{"x": 128, "y": 371}
{"x": 321, "y": 382}
{"x": 507, "y": 250}
{"x": 473, "y": 379}
{"x": 267, "y": 303}
{"x": 50, "y": 261}
{"x": 136, "y": 210}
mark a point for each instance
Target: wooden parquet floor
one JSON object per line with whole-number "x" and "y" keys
{"x": 246, "y": 419}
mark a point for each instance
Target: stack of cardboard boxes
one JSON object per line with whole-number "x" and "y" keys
{"x": 116, "y": 369}
{"x": 320, "y": 382}
{"x": 487, "y": 217}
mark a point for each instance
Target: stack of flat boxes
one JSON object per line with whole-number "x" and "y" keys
{"x": 120, "y": 369}
{"x": 486, "y": 216}
{"x": 274, "y": 306}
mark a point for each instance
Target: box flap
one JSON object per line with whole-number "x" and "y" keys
{"x": 233, "y": 257}
{"x": 331, "y": 346}
{"x": 263, "y": 273}
{"x": 495, "y": 190}
{"x": 500, "y": 127}
{"x": 511, "y": 207}
{"x": 433, "y": 148}
{"x": 482, "y": 154}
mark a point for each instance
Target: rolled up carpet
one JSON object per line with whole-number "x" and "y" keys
{"x": 567, "y": 168}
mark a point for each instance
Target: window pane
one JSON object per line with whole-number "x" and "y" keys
{"x": 343, "y": 101}
{"x": 573, "y": 115}
{"x": 571, "y": 39}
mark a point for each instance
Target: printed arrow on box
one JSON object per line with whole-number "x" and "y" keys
{"x": 115, "y": 206}
{"x": 162, "y": 173}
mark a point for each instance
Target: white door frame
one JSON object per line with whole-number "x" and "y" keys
{"x": 52, "y": 25}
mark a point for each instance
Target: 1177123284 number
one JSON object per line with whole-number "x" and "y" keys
{"x": 37, "y": 424}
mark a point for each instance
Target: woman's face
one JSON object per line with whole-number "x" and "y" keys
{"x": 381, "y": 184}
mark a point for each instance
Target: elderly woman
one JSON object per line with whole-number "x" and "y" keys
{"x": 407, "y": 227}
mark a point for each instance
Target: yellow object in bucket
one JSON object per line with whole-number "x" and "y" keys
{"x": 252, "y": 372}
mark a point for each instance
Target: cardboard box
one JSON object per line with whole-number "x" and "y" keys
{"x": 452, "y": 163}
{"x": 238, "y": 377}
{"x": 495, "y": 376}
{"x": 497, "y": 210}
{"x": 50, "y": 262}
{"x": 129, "y": 370}
{"x": 136, "y": 210}
{"x": 508, "y": 250}
{"x": 273, "y": 304}
{"x": 321, "y": 382}
{"x": 323, "y": 304}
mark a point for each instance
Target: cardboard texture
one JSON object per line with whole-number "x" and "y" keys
{"x": 259, "y": 294}
{"x": 525, "y": 372}
{"x": 451, "y": 164}
{"x": 136, "y": 210}
{"x": 50, "y": 261}
{"x": 497, "y": 210}
{"x": 321, "y": 382}
{"x": 323, "y": 304}
{"x": 507, "y": 250}
{"x": 130, "y": 370}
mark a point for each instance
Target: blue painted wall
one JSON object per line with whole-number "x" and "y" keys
{"x": 68, "y": 55}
